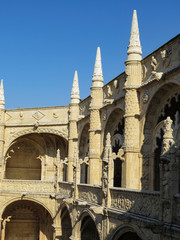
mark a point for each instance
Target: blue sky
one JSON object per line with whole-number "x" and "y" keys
{"x": 42, "y": 43}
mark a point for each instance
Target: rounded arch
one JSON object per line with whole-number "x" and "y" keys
{"x": 18, "y": 134}
{"x": 26, "y": 219}
{"x": 30, "y": 156}
{"x": 165, "y": 102}
{"x": 7, "y": 203}
{"x": 126, "y": 232}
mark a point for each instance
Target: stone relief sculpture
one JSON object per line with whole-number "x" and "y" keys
{"x": 168, "y": 139}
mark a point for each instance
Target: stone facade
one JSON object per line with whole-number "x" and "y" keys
{"x": 106, "y": 167}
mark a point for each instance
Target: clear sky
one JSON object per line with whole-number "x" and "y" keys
{"x": 42, "y": 43}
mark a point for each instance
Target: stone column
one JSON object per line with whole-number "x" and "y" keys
{"x": 95, "y": 163}
{"x": 132, "y": 175}
{"x": 73, "y": 118}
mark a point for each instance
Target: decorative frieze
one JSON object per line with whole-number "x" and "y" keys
{"x": 27, "y": 186}
{"x": 144, "y": 203}
{"x": 89, "y": 193}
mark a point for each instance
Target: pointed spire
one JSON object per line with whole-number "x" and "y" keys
{"x": 2, "y": 99}
{"x": 134, "y": 49}
{"x": 97, "y": 76}
{"x": 75, "y": 97}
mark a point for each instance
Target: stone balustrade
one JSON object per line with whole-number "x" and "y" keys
{"x": 27, "y": 186}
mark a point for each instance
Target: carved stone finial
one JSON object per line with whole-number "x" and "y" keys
{"x": 97, "y": 76}
{"x": 134, "y": 49}
{"x": 2, "y": 99}
{"x": 75, "y": 97}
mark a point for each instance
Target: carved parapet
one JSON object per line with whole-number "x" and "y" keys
{"x": 28, "y": 186}
{"x": 90, "y": 193}
{"x": 145, "y": 203}
{"x": 65, "y": 189}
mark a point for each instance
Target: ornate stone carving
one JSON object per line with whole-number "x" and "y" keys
{"x": 153, "y": 63}
{"x": 89, "y": 193}
{"x": 144, "y": 71}
{"x": 7, "y": 116}
{"x": 145, "y": 97}
{"x": 55, "y": 115}
{"x": 157, "y": 75}
{"x": 109, "y": 91}
{"x": 104, "y": 115}
{"x": 116, "y": 83}
{"x": 38, "y": 115}
{"x": 4, "y": 222}
{"x": 146, "y": 204}
{"x": 168, "y": 139}
{"x": 39, "y": 130}
{"x": 88, "y": 196}
{"x": 65, "y": 189}
{"x": 84, "y": 108}
{"x": 21, "y": 115}
{"x": 27, "y": 186}
{"x": 99, "y": 228}
{"x": 166, "y": 56}
{"x": 166, "y": 181}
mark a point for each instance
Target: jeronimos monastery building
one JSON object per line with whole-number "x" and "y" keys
{"x": 103, "y": 168}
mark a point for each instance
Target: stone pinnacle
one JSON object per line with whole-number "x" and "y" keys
{"x": 75, "y": 97}
{"x": 134, "y": 49}
{"x": 98, "y": 76}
